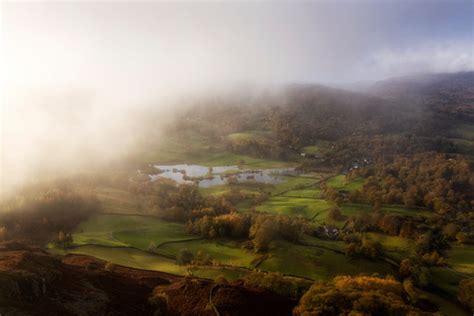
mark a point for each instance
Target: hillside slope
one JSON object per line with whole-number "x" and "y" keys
{"x": 33, "y": 282}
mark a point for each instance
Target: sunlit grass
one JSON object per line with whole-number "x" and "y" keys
{"x": 224, "y": 252}
{"x": 341, "y": 182}
{"x": 461, "y": 258}
{"x": 318, "y": 264}
{"x": 136, "y": 231}
{"x": 304, "y": 207}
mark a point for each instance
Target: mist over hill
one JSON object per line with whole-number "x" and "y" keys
{"x": 237, "y": 158}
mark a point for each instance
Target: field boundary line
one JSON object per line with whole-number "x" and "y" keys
{"x": 179, "y": 241}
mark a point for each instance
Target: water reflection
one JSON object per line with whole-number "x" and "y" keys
{"x": 206, "y": 177}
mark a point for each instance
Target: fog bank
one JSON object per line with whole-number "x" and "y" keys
{"x": 79, "y": 77}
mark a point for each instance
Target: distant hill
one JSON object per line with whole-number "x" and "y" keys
{"x": 444, "y": 93}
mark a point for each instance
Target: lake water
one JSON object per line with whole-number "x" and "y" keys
{"x": 184, "y": 173}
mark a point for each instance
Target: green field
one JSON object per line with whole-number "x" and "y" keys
{"x": 195, "y": 149}
{"x": 310, "y": 149}
{"x": 317, "y": 264}
{"x": 340, "y": 182}
{"x": 446, "y": 280}
{"x": 351, "y": 209}
{"x": 395, "y": 247}
{"x": 295, "y": 183}
{"x": 124, "y": 239}
{"x": 117, "y": 201}
{"x": 319, "y": 147}
{"x": 250, "y": 188}
{"x": 304, "y": 193}
{"x": 461, "y": 258}
{"x": 250, "y": 135}
{"x": 127, "y": 230}
{"x": 169, "y": 238}
{"x": 304, "y": 207}
{"x": 223, "y": 252}
{"x": 143, "y": 260}
{"x": 465, "y": 131}
{"x": 131, "y": 258}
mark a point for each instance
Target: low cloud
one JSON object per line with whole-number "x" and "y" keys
{"x": 438, "y": 58}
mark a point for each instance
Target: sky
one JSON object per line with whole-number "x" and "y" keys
{"x": 164, "y": 45}
{"x": 71, "y": 70}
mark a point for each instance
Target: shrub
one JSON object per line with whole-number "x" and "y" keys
{"x": 109, "y": 266}
{"x": 336, "y": 215}
{"x": 185, "y": 257}
{"x": 277, "y": 283}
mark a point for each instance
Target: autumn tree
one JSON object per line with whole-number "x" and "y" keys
{"x": 361, "y": 295}
{"x": 262, "y": 232}
{"x": 3, "y": 233}
{"x": 466, "y": 293}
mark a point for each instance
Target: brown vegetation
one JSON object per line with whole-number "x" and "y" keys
{"x": 361, "y": 295}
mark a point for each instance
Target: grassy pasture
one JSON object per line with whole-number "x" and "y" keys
{"x": 465, "y": 131}
{"x": 250, "y": 188}
{"x": 311, "y": 193}
{"x": 446, "y": 307}
{"x": 395, "y": 247}
{"x": 291, "y": 206}
{"x": 224, "y": 252}
{"x": 318, "y": 264}
{"x": 117, "y": 201}
{"x": 445, "y": 279}
{"x": 111, "y": 238}
{"x": 198, "y": 150}
{"x": 250, "y": 135}
{"x": 354, "y": 209}
{"x": 131, "y": 258}
{"x": 293, "y": 183}
{"x": 127, "y": 230}
{"x": 311, "y": 149}
{"x": 140, "y": 231}
{"x": 461, "y": 258}
{"x": 340, "y": 182}
{"x": 318, "y": 147}
{"x": 143, "y": 260}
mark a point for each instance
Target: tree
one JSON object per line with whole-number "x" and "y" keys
{"x": 151, "y": 246}
{"x": 466, "y": 293}
{"x": 432, "y": 241}
{"x": 360, "y": 295}
{"x": 462, "y": 237}
{"x": 410, "y": 268}
{"x": 450, "y": 231}
{"x": 377, "y": 205}
{"x": 371, "y": 249}
{"x": 335, "y": 214}
{"x": 185, "y": 257}
{"x": 364, "y": 247}
{"x": 64, "y": 240}
{"x": 278, "y": 283}
{"x": 3, "y": 233}
{"x": 433, "y": 259}
{"x": 406, "y": 268}
{"x": 263, "y": 231}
